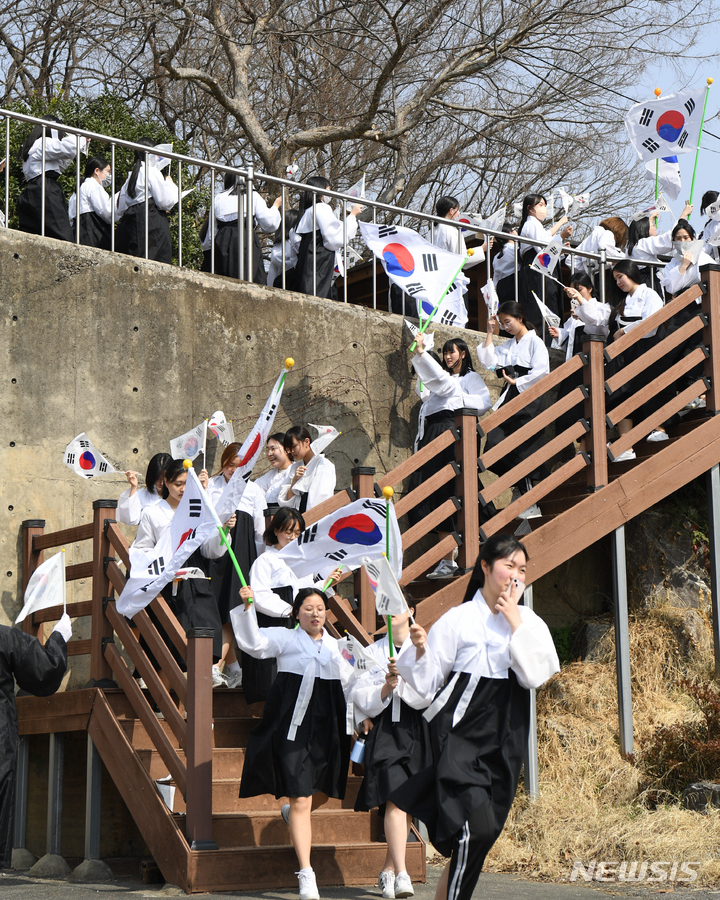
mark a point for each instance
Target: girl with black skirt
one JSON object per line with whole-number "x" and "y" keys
{"x": 397, "y": 746}
{"x": 520, "y": 362}
{"x": 275, "y": 272}
{"x": 301, "y": 748}
{"x": 189, "y": 597}
{"x": 589, "y": 316}
{"x": 445, "y": 396}
{"x": 60, "y": 151}
{"x": 534, "y": 212}
{"x": 162, "y": 196}
{"x": 227, "y": 236}
{"x": 316, "y": 256}
{"x": 483, "y": 657}
{"x": 638, "y": 304}
{"x": 96, "y": 206}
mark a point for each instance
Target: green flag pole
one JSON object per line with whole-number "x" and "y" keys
{"x": 327, "y": 583}
{"x": 697, "y": 152}
{"x": 424, "y": 325}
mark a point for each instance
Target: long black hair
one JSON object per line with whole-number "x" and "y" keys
{"x": 172, "y": 473}
{"x": 35, "y": 135}
{"x": 511, "y": 308}
{"x": 529, "y": 202}
{"x": 95, "y": 162}
{"x": 307, "y": 197}
{"x": 292, "y": 217}
{"x": 283, "y": 520}
{"x": 499, "y": 546}
{"x": 639, "y": 229}
{"x": 466, "y": 365}
{"x": 157, "y": 467}
{"x": 631, "y": 270}
{"x": 580, "y": 279}
{"x": 301, "y": 597}
{"x": 445, "y": 204}
{"x": 139, "y": 160}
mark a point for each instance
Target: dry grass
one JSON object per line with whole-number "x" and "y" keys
{"x": 591, "y": 803}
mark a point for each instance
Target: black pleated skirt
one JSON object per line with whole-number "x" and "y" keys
{"x": 226, "y": 254}
{"x": 259, "y": 674}
{"x": 530, "y": 280}
{"x": 435, "y": 425}
{"x": 477, "y": 760}
{"x": 224, "y": 580}
{"x": 513, "y": 424}
{"x": 29, "y": 208}
{"x": 394, "y": 751}
{"x": 94, "y": 231}
{"x": 130, "y": 234}
{"x": 319, "y": 260}
{"x": 648, "y": 374}
{"x": 316, "y": 761}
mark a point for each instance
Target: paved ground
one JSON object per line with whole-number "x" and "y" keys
{"x": 128, "y": 884}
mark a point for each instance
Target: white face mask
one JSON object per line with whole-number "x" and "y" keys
{"x": 326, "y": 199}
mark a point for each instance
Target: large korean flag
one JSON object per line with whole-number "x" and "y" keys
{"x": 666, "y": 127}
{"x": 421, "y": 270}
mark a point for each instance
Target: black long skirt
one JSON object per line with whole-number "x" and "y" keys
{"x": 194, "y": 607}
{"x": 475, "y": 761}
{"x": 513, "y": 424}
{"x": 316, "y": 761}
{"x": 530, "y": 280}
{"x": 94, "y": 231}
{"x": 319, "y": 260}
{"x": 648, "y": 374}
{"x": 394, "y": 752}
{"x": 435, "y": 425}
{"x": 224, "y": 580}
{"x": 226, "y": 254}
{"x": 685, "y": 348}
{"x": 29, "y": 208}
{"x": 259, "y": 674}
{"x": 130, "y": 234}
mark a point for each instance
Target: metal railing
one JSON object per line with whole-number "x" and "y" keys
{"x": 248, "y": 179}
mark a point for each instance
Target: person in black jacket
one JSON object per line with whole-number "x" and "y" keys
{"x": 39, "y": 670}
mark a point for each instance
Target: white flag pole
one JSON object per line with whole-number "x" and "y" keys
{"x": 63, "y": 581}
{"x": 205, "y": 445}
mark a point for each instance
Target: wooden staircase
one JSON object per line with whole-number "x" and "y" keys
{"x": 211, "y": 839}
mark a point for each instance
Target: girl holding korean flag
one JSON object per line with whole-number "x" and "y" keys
{"x": 301, "y": 748}
{"x": 534, "y": 213}
{"x": 397, "y": 745}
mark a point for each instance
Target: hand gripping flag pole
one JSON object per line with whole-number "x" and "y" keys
{"x": 223, "y": 535}
{"x": 697, "y": 152}
{"x": 327, "y": 583}
{"x": 424, "y": 325}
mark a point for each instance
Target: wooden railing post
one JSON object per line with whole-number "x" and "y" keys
{"x": 364, "y": 486}
{"x": 198, "y": 799}
{"x": 100, "y": 670}
{"x": 466, "y": 487}
{"x": 711, "y": 336}
{"x": 595, "y": 441}
{"x": 31, "y": 559}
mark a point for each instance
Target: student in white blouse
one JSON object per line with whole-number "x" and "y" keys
{"x": 96, "y": 205}
{"x": 311, "y": 479}
{"x": 273, "y": 481}
{"x": 133, "y": 501}
{"x": 712, "y": 226}
{"x": 450, "y": 237}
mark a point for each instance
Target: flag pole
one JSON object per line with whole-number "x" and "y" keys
{"x": 205, "y": 445}
{"x": 223, "y": 537}
{"x": 327, "y": 583}
{"x": 425, "y": 324}
{"x": 697, "y": 152}
{"x": 63, "y": 580}
{"x": 289, "y": 363}
{"x": 387, "y": 494}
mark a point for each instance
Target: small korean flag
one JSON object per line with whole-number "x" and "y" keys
{"x": 547, "y": 257}
{"x": 190, "y": 444}
{"x": 85, "y": 460}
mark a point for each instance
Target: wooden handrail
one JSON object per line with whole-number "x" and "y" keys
{"x": 119, "y": 544}
{"x": 66, "y": 536}
{"x": 428, "y": 487}
{"x": 414, "y": 462}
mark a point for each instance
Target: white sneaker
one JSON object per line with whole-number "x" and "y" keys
{"x": 403, "y": 885}
{"x": 626, "y": 456}
{"x": 386, "y": 883}
{"x": 234, "y": 679}
{"x": 532, "y": 512}
{"x": 218, "y": 679}
{"x": 308, "y": 885}
{"x": 445, "y": 569}
{"x": 656, "y": 436}
{"x": 285, "y": 813}
{"x": 141, "y": 684}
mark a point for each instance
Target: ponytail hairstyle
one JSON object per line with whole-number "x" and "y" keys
{"x": 580, "y": 279}
{"x": 631, "y": 270}
{"x": 36, "y": 134}
{"x": 466, "y": 365}
{"x": 156, "y": 469}
{"x": 707, "y": 198}
{"x": 95, "y": 162}
{"x": 499, "y": 546}
{"x": 232, "y": 183}
{"x": 618, "y": 229}
{"x": 529, "y": 202}
{"x": 507, "y": 228}
{"x": 139, "y": 160}
{"x": 444, "y": 205}
{"x": 511, "y": 308}
{"x": 301, "y": 597}
{"x": 684, "y": 225}
{"x": 307, "y": 198}
{"x": 292, "y": 217}
{"x": 283, "y": 520}
{"x": 638, "y": 230}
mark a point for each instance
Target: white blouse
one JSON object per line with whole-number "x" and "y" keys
{"x": 594, "y": 317}
{"x": 647, "y": 249}
{"x": 674, "y": 281}
{"x": 129, "y": 508}
{"x": 451, "y": 238}
{"x": 270, "y": 571}
{"x": 529, "y": 352}
{"x": 267, "y": 218}
{"x": 599, "y": 239}
{"x": 445, "y": 390}
{"x": 318, "y": 483}
{"x": 156, "y": 518}
{"x": 160, "y": 189}
{"x": 93, "y": 198}
{"x": 504, "y": 262}
{"x": 271, "y": 483}
{"x": 710, "y": 231}
{"x": 276, "y": 259}
{"x": 470, "y": 638}
{"x": 475, "y": 392}
{"x": 533, "y": 229}
{"x": 638, "y": 306}
{"x": 329, "y": 226}
{"x": 252, "y": 502}
{"x": 58, "y": 154}
{"x": 366, "y": 694}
